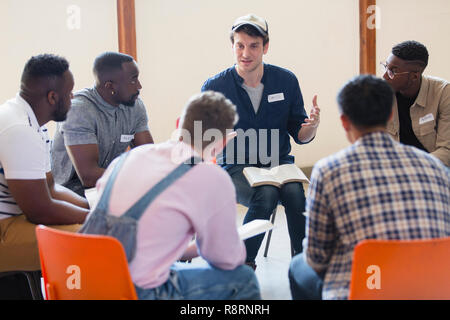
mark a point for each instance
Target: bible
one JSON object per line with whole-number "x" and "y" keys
{"x": 276, "y": 176}
{"x": 253, "y": 228}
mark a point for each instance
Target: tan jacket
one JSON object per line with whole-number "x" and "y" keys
{"x": 430, "y": 116}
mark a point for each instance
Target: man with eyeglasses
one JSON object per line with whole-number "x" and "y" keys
{"x": 421, "y": 111}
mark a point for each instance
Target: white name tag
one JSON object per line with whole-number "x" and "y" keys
{"x": 429, "y": 117}
{"x": 126, "y": 137}
{"x": 275, "y": 97}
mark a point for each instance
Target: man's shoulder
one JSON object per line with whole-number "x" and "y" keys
{"x": 11, "y": 114}
{"x": 423, "y": 160}
{"x": 436, "y": 81}
{"x": 139, "y": 106}
{"x": 219, "y": 79}
{"x": 278, "y": 70}
{"x": 85, "y": 94}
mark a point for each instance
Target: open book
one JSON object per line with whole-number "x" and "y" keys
{"x": 276, "y": 176}
{"x": 254, "y": 228}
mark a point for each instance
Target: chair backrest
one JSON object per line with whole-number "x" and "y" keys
{"x": 401, "y": 270}
{"x": 83, "y": 267}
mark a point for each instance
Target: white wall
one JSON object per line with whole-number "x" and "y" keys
{"x": 30, "y": 27}
{"x": 425, "y": 21}
{"x": 182, "y": 43}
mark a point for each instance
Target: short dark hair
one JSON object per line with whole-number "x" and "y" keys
{"x": 214, "y": 111}
{"x": 412, "y": 51}
{"x": 251, "y": 31}
{"x": 44, "y": 66}
{"x": 109, "y": 62}
{"x": 366, "y": 101}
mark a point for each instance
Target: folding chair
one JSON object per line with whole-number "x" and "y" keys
{"x": 401, "y": 269}
{"x": 33, "y": 279}
{"x": 83, "y": 267}
{"x": 269, "y": 234}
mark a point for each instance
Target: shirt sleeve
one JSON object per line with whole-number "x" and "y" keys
{"x": 23, "y": 153}
{"x": 297, "y": 114}
{"x": 320, "y": 229}
{"x": 80, "y": 126}
{"x": 142, "y": 118}
{"x": 442, "y": 151}
{"x": 218, "y": 240}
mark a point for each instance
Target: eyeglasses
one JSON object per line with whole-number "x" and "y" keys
{"x": 391, "y": 74}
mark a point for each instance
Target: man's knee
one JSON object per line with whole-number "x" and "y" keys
{"x": 69, "y": 228}
{"x": 19, "y": 249}
{"x": 266, "y": 196}
{"x": 293, "y": 195}
{"x": 247, "y": 279}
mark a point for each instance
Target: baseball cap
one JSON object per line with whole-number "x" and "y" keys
{"x": 259, "y": 23}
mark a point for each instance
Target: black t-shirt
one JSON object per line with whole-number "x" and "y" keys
{"x": 407, "y": 135}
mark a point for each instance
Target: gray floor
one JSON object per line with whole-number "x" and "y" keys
{"x": 272, "y": 271}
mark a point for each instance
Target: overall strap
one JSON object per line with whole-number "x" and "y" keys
{"x": 139, "y": 207}
{"x": 103, "y": 203}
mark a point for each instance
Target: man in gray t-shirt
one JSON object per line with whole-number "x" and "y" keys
{"x": 102, "y": 123}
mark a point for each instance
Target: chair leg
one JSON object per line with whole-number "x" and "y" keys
{"x": 269, "y": 235}
{"x": 292, "y": 250}
{"x": 33, "y": 279}
{"x": 34, "y": 282}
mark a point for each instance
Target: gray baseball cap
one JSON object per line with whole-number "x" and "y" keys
{"x": 259, "y": 23}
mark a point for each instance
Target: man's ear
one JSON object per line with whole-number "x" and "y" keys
{"x": 417, "y": 75}
{"x": 52, "y": 97}
{"x": 346, "y": 124}
{"x": 108, "y": 85}
{"x": 230, "y": 136}
{"x": 216, "y": 147}
{"x": 266, "y": 47}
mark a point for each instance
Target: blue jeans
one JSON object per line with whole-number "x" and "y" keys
{"x": 305, "y": 283}
{"x": 262, "y": 200}
{"x": 205, "y": 282}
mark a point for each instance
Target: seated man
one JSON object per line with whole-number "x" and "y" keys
{"x": 375, "y": 189}
{"x": 102, "y": 123}
{"x": 202, "y": 202}
{"x": 421, "y": 104}
{"x": 271, "y": 111}
{"x": 28, "y": 194}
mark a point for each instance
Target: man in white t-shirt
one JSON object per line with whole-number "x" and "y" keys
{"x": 28, "y": 194}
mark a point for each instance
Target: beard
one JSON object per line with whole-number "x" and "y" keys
{"x": 132, "y": 101}
{"x": 60, "y": 113}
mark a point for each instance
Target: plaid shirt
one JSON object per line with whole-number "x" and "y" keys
{"x": 374, "y": 189}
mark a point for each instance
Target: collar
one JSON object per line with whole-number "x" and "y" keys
{"x": 421, "y": 99}
{"x": 240, "y": 80}
{"x": 94, "y": 96}
{"x": 377, "y": 138}
{"x": 31, "y": 116}
{"x": 105, "y": 105}
{"x": 182, "y": 151}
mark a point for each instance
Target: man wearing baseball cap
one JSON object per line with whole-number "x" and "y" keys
{"x": 271, "y": 110}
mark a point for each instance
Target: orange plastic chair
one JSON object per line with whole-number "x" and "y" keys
{"x": 83, "y": 267}
{"x": 401, "y": 270}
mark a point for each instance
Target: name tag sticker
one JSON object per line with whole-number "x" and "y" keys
{"x": 429, "y": 117}
{"x": 126, "y": 137}
{"x": 275, "y": 97}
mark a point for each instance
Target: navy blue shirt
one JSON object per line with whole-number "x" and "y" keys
{"x": 281, "y": 108}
